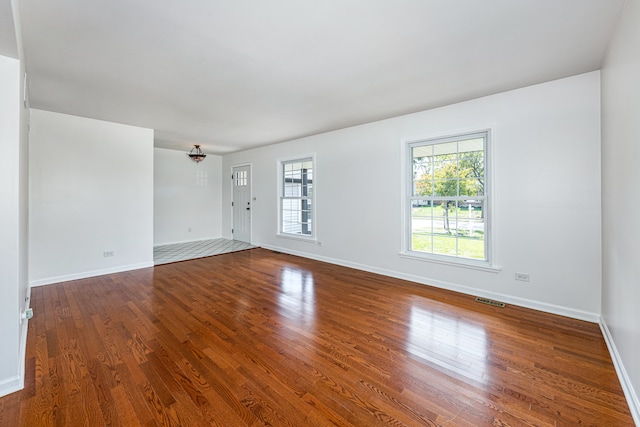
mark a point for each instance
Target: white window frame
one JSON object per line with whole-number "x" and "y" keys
{"x": 312, "y": 237}
{"x": 487, "y": 264}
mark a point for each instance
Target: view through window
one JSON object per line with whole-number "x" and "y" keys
{"x": 447, "y": 204}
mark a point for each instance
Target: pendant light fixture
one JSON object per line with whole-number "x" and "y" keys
{"x": 197, "y": 155}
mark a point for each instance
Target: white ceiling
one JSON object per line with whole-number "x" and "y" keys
{"x": 235, "y": 74}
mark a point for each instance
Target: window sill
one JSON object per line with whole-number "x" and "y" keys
{"x": 308, "y": 239}
{"x": 464, "y": 263}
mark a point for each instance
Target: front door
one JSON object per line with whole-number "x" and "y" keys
{"x": 241, "y": 176}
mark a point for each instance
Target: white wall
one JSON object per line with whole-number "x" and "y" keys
{"x": 91, "y": 191}
{"x": 14, "y": 219}
{"x": 24, "y": 293}
{"x": 12, "y": 226}
{"x": 546, "y": 151}
{"x": 621, "y": 199}
{"x": 187, "y": 198}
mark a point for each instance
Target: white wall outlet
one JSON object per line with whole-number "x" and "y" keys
{"x": 189, "y": 229}
{"x": 523, "y": 277}
{"x": 109, "y": 253}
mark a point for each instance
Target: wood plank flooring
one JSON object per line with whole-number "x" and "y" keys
{"x": 260, "y": 338}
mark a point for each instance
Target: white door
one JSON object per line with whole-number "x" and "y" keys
{"x": 241, "y": 176}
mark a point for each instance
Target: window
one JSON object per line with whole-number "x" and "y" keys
{"x": 296, "y": 197}
{"x": 447, "y": 201}
{"x": 240, "y": 178}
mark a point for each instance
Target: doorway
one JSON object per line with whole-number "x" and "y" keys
{"x": 241, "y": 203}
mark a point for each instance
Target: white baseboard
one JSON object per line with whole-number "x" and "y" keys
{"x": 522, "y": 302}
{"x": 11, "y": 385}
{"x": 93, "y": 273}
{"x": 177, "y": 242}
{"x": 629, "y": 392}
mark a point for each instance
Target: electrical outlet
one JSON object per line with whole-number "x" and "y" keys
{"x": 523, "y": 277}
{"x": 109, "y": 253}
{"x": 189, "y": 229}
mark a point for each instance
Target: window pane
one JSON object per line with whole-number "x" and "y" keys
{"x": 445, "y": 164}
{"x": 473, "y": 161}
{"x": 422, "y": 242}
{"x": 421, "y": 151}
{"x": 455, "y": 218}
{"x": 422, "y": 208}
{"x": 422, "y": 212}
{"x": 445, "y": 187}
{"x": 469, "y": 187}
{"x": 423, "y": 187}
{"x": 476, "y": 144}
{"x": 471, "y": 231}
{"x": 471, "y": 165}
{"x": 422, "y": 166}
{"x": 443, "y": 213}
{"x": 445, "y": 149}
{"x": 422, "y": 170}
{"x": 444, "y": 245}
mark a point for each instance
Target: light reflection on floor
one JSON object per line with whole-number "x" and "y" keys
{"x": 449, "y": 342}
{"x": 297, "y": 296}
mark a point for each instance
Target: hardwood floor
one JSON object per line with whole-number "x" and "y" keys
{"x": 260, "y": 338}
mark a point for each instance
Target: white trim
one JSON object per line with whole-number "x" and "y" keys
{"x": 522, "y": 302}
{"x": 16, "y": 383}
{"x": 300, "y": 156}
{"x": 92, "y": 273}
{"x": 299, "y": 237}
{"x": 186, "y": 241}
{"x": 11, "y": 385}
{"x": 454, "y": 261}
{"x": 627, "y": 386}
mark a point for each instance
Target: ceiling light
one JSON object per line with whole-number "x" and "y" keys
{"x": 198, "y": 155}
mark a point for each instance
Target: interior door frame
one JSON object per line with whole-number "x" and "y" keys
{"x": 231, "y": 205}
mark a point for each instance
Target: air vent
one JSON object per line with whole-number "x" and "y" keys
{"x": 490, "y": 302}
